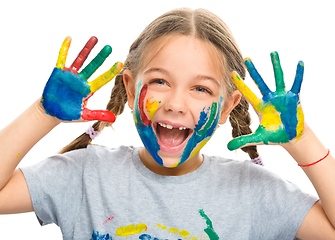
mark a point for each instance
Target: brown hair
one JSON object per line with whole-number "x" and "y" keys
{"x": 199, "y": 23}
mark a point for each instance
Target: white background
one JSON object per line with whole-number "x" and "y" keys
{"x": 32, "y": 33}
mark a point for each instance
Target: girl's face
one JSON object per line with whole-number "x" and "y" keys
{"x": 178, "y": 100}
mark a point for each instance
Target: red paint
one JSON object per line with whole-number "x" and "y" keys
{"x": 108, "y": 219}
{"x": 101, "y": 115}
{"x": 78, "y": 62}
{"x": 144, "y": 117}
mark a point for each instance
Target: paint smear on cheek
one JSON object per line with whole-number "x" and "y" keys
{"x": 152, "y": 107}
{"x": 143, "y": 123}
{"x": 204, "y": 130}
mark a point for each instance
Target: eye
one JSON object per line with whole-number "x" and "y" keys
{"x": 158, "y": 81}
{"x": 202, "y": 89}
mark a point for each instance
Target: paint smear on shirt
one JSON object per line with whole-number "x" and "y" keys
{"x": 182, "y": 233}
{"x": 108, "y": 219}
{"x": 131, "y": 230}
{"x": 209, "y": 230}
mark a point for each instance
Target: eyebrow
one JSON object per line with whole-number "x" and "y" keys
{"x": 205, "y": 77}
{"x": 198, "y": 77}
{"x": 156, "y": 70}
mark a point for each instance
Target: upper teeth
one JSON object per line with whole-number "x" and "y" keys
{"x": 168, "y": 126}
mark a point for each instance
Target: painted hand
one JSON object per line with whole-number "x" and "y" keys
{"x": 280, "y": 113}
{"x": 67, "y": 91}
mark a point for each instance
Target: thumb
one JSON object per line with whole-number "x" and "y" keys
{"x": 100, "y": 115}
{"x": 244, "y": 141}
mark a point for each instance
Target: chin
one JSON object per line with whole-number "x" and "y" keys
{"x": 170, "y": 160}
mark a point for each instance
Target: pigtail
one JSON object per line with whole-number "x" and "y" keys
{"x": 240, "y": 121}
{"x": 116, "y": 105}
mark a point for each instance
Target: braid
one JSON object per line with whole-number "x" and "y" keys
{"x": 116, "y": 105}
{"x": 118, "y": 99}
{"x": 240, "y": 121}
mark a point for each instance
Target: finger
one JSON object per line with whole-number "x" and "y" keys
{"x": 296, "y": 87}
{"x": 244, "y": 89}
{"x": 63, "y": 53}
{"x": 279, "y": 75}
{"x": 100, "y": 115}
{"x": 256, "y": 77}
{"x": 95, "y": 63}
{"x": 106, "y": 77}
{"x": 78, "y": 62}
{"x": 242, "y": 141}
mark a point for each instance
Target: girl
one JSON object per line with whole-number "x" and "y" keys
{"x": 176, "y": 79}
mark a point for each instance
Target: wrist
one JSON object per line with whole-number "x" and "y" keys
{"x": 40, "y": 114}
{"x": 307, "y": 149}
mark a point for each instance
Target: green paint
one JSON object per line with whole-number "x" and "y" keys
{"x": 95, "y": 63}
{"x": 279, "y": 75}
{"x": 261, "y": 135}
{"x": 211, "y": 119}
{"x": 279, "y": 103}
{"x": 209, "y": 230}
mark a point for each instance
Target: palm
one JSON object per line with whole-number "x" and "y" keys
{"x": 280, "y": 113}
{"x": 67, "y": 91}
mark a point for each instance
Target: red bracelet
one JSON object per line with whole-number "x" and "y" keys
{"x": 316, "y": 161}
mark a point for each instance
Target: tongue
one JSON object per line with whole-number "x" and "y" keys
{"x": 171, "y": 137}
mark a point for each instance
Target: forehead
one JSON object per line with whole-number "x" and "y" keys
{"x": 184, "y": 55}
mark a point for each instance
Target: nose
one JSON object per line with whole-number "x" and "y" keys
{"x": 176, "y": 103}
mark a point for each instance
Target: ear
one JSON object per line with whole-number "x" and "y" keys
{"x": 229, "y": 105}
{"x": 129, "y": 83}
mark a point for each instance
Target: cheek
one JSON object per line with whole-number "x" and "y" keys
{"x": 145, "y": 105}
{"x": 151, "y": 104}
{"x": 208, "y": 117}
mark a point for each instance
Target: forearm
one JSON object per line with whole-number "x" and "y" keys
{"x": 20, "y": 136}
{"x": 322, "y": 175}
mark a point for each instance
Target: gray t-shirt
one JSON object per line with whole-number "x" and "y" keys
{"x": 102, "y": 193}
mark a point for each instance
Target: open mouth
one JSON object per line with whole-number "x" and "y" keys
{"x": 171, "y": 138}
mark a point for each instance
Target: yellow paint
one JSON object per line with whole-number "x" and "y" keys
{"x": 270, "y": 117}
{"x": 18, "y": 155}
{"x": 63, "y": 53}
{"x": 200, "y": 145}
{"x": 131, "y": 230}
{"x": 175, "y": 165}
{"x": 244, "y": 89}
{"x": 103, "y": 79}
{"x": 152, "y": 107}
{"x": 300, "y": 125}
{"x": 182, "y": 233}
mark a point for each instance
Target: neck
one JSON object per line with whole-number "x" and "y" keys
{"x": 188, "y": 166}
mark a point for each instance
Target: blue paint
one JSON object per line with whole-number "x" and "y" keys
{"x": 286, "y": 105}
{"x": 299, "y": 75}
{"x": 150, "y": 141}
{"x": 63, "y": 95}
{"x": 257, "y": 77}
{"x": 146, "y": 132}
{"x": 203, "y": 130}
{"x": 200, "y": 132}
{"x": 147, "y": 237}
{"x": 97, "y": 236}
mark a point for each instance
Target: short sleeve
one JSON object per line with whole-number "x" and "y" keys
{"x": 56, "y": 188}
{"x": 278, "y": 206}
